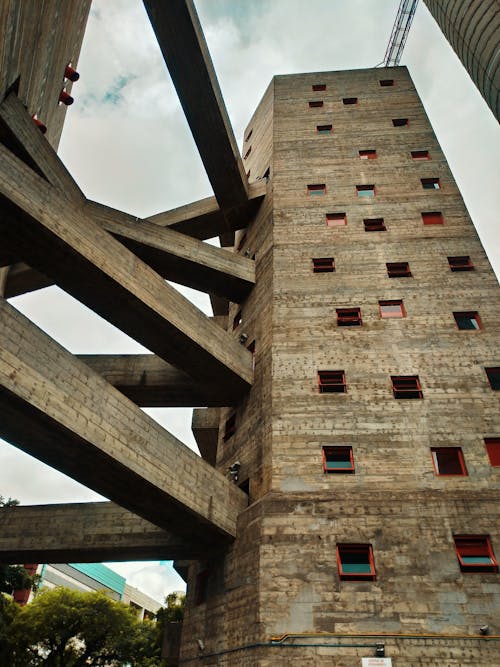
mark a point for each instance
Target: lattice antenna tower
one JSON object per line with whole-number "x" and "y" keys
{"x": 399, "y": 34}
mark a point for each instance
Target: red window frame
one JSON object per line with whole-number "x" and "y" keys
{"x": 316, "y": 189}
{"x": 493, "y": 450}
{"x": 316, "y": 104}
{"x": 368, "y": 154}
{"x": 432, "y": 217}
{"x": 349, "y": 100}
{"x": 369, "y": 188}
{"x": 374, "y": 225}
{"x": 349, "y": 317}
{"x": 229, "y": 427}
{"x": 398, "y": 270}
{"x": 324, "y": 129}
{"x": 391, "y": 314}
{"x": 465, "y": 316}
{"x": 420, "y": 155}
{"x": 342, "y": 452}
{"x": 400, "y": 122}
{"x": 323, "y": 264}
{"x": 493, "y": 375}
{"x": 316, "y": 87}
{"x": 470, "y": 548}
{"x": 386, "y": 82}
{"x": 460, "y": 263}
{"x": 345, "y": 552}
{"x": 202, "y": 586}
{"x": 336, "y": 219}
{"x": 237, "y": 320}
{"x": 431, "y": 183}
{"x": 332, "y": 382}
{"x": 247, "y": 153}
{"x": 448, "y": 461}
{"x": 406, "y": 386}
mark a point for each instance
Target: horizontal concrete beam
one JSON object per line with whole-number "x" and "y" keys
{"x": 151, "y": 382}
{"x": 21, "y": 279}
{"x": 205, "y": 428}
{"x": 186, "y": 55}
{"x": 57, "y": 409}
{"x": 65, "y": 244}
{"x": 85, "y": 533}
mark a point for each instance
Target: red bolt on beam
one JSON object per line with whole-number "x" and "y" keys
{"x": 65, "y": 98}
{"x": 71, "y": 73}
{"x": 41, "y": 126}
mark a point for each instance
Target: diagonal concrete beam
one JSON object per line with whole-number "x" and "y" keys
{"x": 150, "y": 382}
{"x": 186, "y": 54}
{"x": 57, "y": 409}
{"x": 69, "y": 247}
{"x": 85, "y": 533}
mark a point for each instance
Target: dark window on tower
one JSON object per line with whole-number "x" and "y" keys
{"x": 331, "y": 382}
{"x": 475, "y": 553}
{"x": 390, "y": 309}
{"x": 249, "y": 135}
{"x": 316, "y": 189}
{"x": 323, "y": 264}
{"x": 448, "y": 461}
{"x": 431, "y": 183}
{"x": 349, "y": 317}
{"x": 365, "y": 190}
{"x": 338, "y": 459}
{"x": 237, "y": 320}
{"x": 350, "y": 100}
{"x": 374, "y": 225}
{"x": 230, "y": 427}
{"x": 461, "y": 263}
{"x": 202, "y": 586}
{"x": 468, "y": 320}
{"x": 315, "y": 104}
{"x": 368, "y": 154}
{"x": 493, "y": 449}
{"x": 336, "y": 219}
{"x": 493, "y": 373}
{"x": 406, "y": 386}
{"x": 398, "y": 270}
{"x": 432, "y": 218}
{"x": 247, "y": 153}
{"x": 400, "y": 122}
{"x": 323, "y": 129}
{"x": 386, "y": 82}
{"x": 318, "y": 86}
{"x": 420, "y": 155}
{"x": 267, "y": 174}
{"x": 355, "y": 561}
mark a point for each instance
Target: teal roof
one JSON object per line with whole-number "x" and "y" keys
{"x": 103, "y": 575}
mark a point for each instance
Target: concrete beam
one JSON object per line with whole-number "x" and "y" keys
{"x": 205, "y": 428}
{"x": 65, "y": 244}
{"x": 85, "y": 533}
{"x": 57, "y": 409}
{"x": 150, "y": 382}
{"x": 21, "y": 279}
{"x": 186, "y": 54}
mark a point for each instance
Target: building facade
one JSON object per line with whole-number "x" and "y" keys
{"x": 369, "y": 443}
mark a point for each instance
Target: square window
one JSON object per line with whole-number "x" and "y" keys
{"x": 336, "y": 219}
{"x": 390, "y": 309}
{"x": 493, "y": 373}
{"x": 365, "y": 190}
{"x": 350, "y": 100}
{"x": 431, "y": 183}
{"x": 202, "y": 586}
{"x": 432, "y": 218}
{"x": 323, "y": 129}
{"x": 318, "y": 86}
{"x": 237, "y": 320}
{"x": 368, "y": 154}
{"x": 314, "y": 104}
{"x": 448, "y": 461}
{"x": 400, "y": 122}
{"x": 247, "y": 153}
{"x": 493, "y": 449}
{"x": 406, "y": 386}
{"x": 468, "y": 320}
{"x": 461, "y": 263}
{"x": 323, "y": 264}
{"x": 386, "y": 82}
{"x": 331, "y": 382}
{"x": 230, "y": 427}
{"x": 316, "y": 189}
{"x": 374, "y": 225}
{"x": 420, "y": 155}
{"x": 355, "y": 561}
{"x": 475, "y": 553}
{"x": 349, "y": 317}
{"x": 398, "y": 270}
{"x": 338, "y": 459}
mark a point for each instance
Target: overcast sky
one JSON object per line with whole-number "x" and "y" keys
{"x": 128, "y": 145}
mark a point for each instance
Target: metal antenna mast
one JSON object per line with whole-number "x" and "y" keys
{"x": 399, "y": 34}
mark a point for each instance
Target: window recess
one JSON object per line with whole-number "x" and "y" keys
{"x": 374, "y": 225}
{"x": 475, "y": 553}
{"x": 400, "y": 122}
{"x": 323, "y": 264}
{"x": 365, "y": 190}
{"x": 368, "y": 154}
{"x": 324, "y": 129}
{"x": 355, "y": 561}
{"x": 431, "y": 183}
{"x": 448, "y": 461}
{"x": 338, "y": 459}
{"x": 391, "y": 309}
{"x": 432, "y": 218}
{"x": 316, "y": 189}
{"x": 315, "y": 104}
{"x": 386, "y": 82}
{"x": 349, "y": 100}
{"x": 461, "y": 263}
{"x": 406, "y": 386}
{"x": 316, "y": 87}
{"x": 349, "y": 317}
{"x": 336, "y": 219}
{"x": 398, "y": 270}
{"x": 493, "y": 449}
{"x": 468, "y": 320}
{"x": 331, "y": 382}
{"x": 493, "y": 374}
{"x": 420, "y": 155}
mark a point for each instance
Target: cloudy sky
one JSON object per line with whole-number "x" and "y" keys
{"x": 127, "y": 144}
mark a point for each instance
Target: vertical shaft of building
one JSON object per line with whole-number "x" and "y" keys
{"x": 472, "y": 27}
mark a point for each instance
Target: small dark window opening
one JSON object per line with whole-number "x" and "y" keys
{"x": 400, "y": 122}
{"x": 247, "y": 153}
{"x": 493, "y": 449}
{"x": 338, "y": 459}
{"x": 493, "y": 374}
{"x": 468, "y": 320}
{"x": 247, "y": 138}
{"x": 431, "y": 183}
{"x": 448, "y": 461}
{"x": 237, "y": 320}
{"x": 461, "y": 263}
{"x": 316, "y": 189}
{"x": 432, "y": 218}
{"x": 318, "y": 86}
{"x": 350, "y": 100}
{"x": 420, "y": 155}
{"x": 241, "y": 242}
{"x": 331, "y": 382}
{"x": 230, "y": 427}
{"x": 386, "y": 82}
{"x": 323, "y": 129}
{"x": 245, "y": 486}
{"x": 267, "y": 174}
{"x": 314, "y": 104}
{"x": 336, "y": 219}
{"x": 365, "y": 190}
{"x": 202, "y": 586}
{"x": 323, "y": 264}
{"x": 355, "y": 561}
{"x": 349, "y": 317}
{"x": 398, "y": 270}
{"x": 374, "y": 225}
{"x": 368, "y": 154}
{"x": 406, "y": 386}
{"x": 475, "y": 553}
